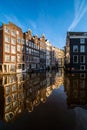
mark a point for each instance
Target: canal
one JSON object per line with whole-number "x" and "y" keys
{"x": 43, "y": 101}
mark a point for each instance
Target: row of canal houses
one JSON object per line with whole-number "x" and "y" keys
{"x": 22, "y": 52}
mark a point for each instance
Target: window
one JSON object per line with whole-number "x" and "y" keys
{"x": 30, "y": 43}
{"x": 27, "y": 58}
{"x": 82, "y": 40}
{"x": 22, "y": 41}
{"x": 75, "y": 59}
{"x": 13, "y": 41}
{"x": 19, "y": 66}
{"x": 27, "y": 42}
{"x": 82, "y": 59}
{"x": 14, "y": 88}
{"x": 18, "y": 40}
{"x": 13, "y": 33}
{"x": 13, "y": 58}
{"x": 7, "y": 90}
{"x": 75, "y": 48}
{"x": 82, "y": 48}
{"x": 7, "y": 39}
{"x": 82, "y": 67}
{"x": 6, "y": 29}
{"x": 12, "y": 68}
{"x": 7, "y": 48}
{"x": 29, "y": 51}
{"x": 7, "y": 58}
{"x": 13, "y": 49}
{"x": 18, "y": 58}
{"x": 18, "y": 48}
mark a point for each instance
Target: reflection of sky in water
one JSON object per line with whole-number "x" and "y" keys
{"x": 58, "y": 100}
{"x": 81, "y": 118}
{"x": 76, "y": 90}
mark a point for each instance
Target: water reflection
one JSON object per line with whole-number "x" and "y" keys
{"x": 76, "y": 90}
{"x": 23, "y": 91}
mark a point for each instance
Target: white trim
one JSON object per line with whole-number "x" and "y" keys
{"x": 83, "y": 58}
{"x": 77, "y": 36}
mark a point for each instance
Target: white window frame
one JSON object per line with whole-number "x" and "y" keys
{"x": 7, "y": 58}
{"x": 81, "y": 66}
{"x": 18, "y": 48}
{"x": 6, "y": 29}
{"x": 13, "y": 32}
{"x": 13, "y": 49}
{"x": 7, "y": 48}
{"x": 73, "y": 58}
{"x": 74, "y": 48}
{"x": 81, "y": 49}
{"x": 83, "y": 58}
{"x": 82, "y": 40}
{"x": 7, "y": 38}
{"x": 13, "y": 58}
{"x": 13, "y": 41}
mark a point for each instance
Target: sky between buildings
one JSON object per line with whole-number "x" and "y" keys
{"x": 50, "y": 17}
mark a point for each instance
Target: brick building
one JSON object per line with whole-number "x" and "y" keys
{"x": 76, "y": 52}
{"x": 11, "y": 44}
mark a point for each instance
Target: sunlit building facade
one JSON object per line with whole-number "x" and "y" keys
{"x": 11, "y": 45}
{"x": 48, "y": 55}
{"x": 31, "y": 55}
{"x": 22, "y": 52}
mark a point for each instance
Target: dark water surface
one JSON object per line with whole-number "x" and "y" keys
{"x": 43, "y": 101}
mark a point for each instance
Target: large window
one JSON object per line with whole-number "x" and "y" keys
{"x": 13, "y": 33}
{"x": 13, "y": 58}
{"x": 6, "y": 29}
{"x": 82, "y": 40}
{"x": 75, "y": 48}
{"x": 75, "y": 59}
{"x": 13, "y": 41}
{"x": 82, "y": 48}
{"x": 18, "y": 58}
{"x": 29, "y": 50}
{"x": 12, "y": 68}
{"x": 82, "y": 59}
{"x": 7, "y": 58}
{"x": 22, "y": 41}
{"x": 7, "y": 39}
{"x": 13, "y": 49}
{"x": 18, "y": 40}
{"x": 18, "y": 48}
{"x": 7, "y": 48}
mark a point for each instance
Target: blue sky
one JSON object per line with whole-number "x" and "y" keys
{"x": 50, "y": 17}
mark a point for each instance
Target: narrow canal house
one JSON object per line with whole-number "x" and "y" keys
{"x": 31, "y": 53}
{"x": 11, "y": 45}
{"x": 76, "y": 52}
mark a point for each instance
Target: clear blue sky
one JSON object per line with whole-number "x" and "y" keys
{"x": 50, "y": 17}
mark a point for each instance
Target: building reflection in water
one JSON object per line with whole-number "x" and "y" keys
{"x": 25, "y": 91}
{"x": 76, "y": 90}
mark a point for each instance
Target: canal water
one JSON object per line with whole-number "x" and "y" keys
{"x": 43, "y": 101}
